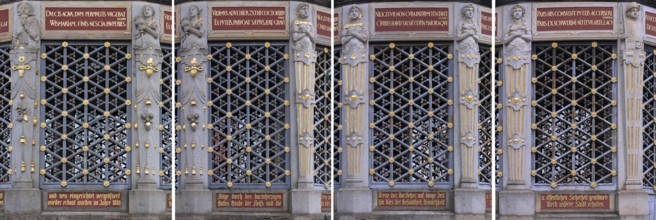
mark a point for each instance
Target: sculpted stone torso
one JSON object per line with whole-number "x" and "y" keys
{"x": 354, "y": 39}
{"x": 193, "y": 31}
{"x": 147, "y": 35}
{"x": 468, "y": 38}
{"x": 518, "y": 39}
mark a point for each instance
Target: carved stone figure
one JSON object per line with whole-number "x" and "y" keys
{"x": 634, "y": 32}
{"x": 354, "y": 38}
{"x": 518, "y": 39}
{"x": 468, "y": 37}
{"x": 193, "y": 32}
{"x": 146, "y": 30}
{"x": 28, "y": 35}
{"x": 304, "y": 36}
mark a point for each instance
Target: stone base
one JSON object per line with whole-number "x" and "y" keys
{"x": 469, "y": 201}
{"x": 193, "y": 202}
{"x": 353, "y": 201}
{"x": 633, "y": 204}
{"x": 516, "y": 203}
{"x": 23, "y": 201}
{"x": 147, "y": 202}
{"x": 306, "y": 201}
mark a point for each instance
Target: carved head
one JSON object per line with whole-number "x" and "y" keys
{"x": 633, "y": 11}
{"x": 25, "y": 10}
{"x": 468, "y": 11}
{"x": 355, "y": 13}
{"x": 147, "y": 11}
{"x": 303, "y": 10}
{"x": 517, "y": 12}
{"x": 194, "y": 11}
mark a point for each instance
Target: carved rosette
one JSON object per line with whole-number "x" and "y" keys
{"x": 516, "y": 141}
{"x": 353, "y": 140}
{"x": 354, "y": 98}
{"x": 469, "y": 100}
{"x": 516, "y": 101}
{"x": 306, "y": 98}
{"x": 469, "y": 139}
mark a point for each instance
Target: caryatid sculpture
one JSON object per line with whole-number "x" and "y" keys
{"x": 148, "y": 62}
{"x": 469, "y": 57}
{"x": 517, "y": 53}
{"x": 25, "y": 47}
{"x": 305, "y": 58}
{"x": 193, "y": 97}
{"x": 634, "y": 59}
{"x": 354, "y": 68}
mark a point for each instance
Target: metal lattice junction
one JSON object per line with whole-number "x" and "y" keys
{"x": 322, "y": 119}
{"x": 5, "y": 115}
{"x": 574, "y": 121}
{"x": 412, "y": 108}
{"x": 485, "y": 156}
{"x": 249, "y": 120}
{"x": 86, "y": 93}
{"x": 166, "y": 117}
{"x": 337, "y": 115}
{"x": 649, "y": 120}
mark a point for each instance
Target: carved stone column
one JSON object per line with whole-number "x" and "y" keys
{"x": 147, "y": 66}
{"x": 468, "y": 198}
{"x": 632, "y": 199}
{"x": 24, "y": 57}
{"x": 304, "y": 59}
{"x": 193, "y": 72}
{"x": 515, "y": 199}
{"x": 355, "y": 196}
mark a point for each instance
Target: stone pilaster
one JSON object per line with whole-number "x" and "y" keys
{"x": 24, "y": 58}
{"x": 146, "y": 197}
{"x": 354, "y": 196}
{"x": 516, "y": 67}
{"x": 304, "y": 60}
{"x": 632, "y": 200}
{"x": 468, "y": 198}
{"x": 193, "y": 73}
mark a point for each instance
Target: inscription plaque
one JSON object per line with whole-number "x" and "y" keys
{"x": 4, "y": 21}
{"x": 249, "y": 200}
{"x": 169, "y": 200}
{"x": 2, "y": 199}
{"x": 575, "y": 18}
{"x": 84, "y": 200}
{"x": 323, "y": 24}
{"x": 411, "y": 200}
{"x": 488, "y": 200}
{"x": 325, "y": 201}
{"x": 411, "y": 19}
{"x": 248, "y": 18}
{"x": 86, "y": 19}
{"x": 486, "y": 23}
{"x": 569, "y": 202}
{"x": 168, "y": 22}
{"x": 650, "y": 23}
{"x": 336, "y": 25}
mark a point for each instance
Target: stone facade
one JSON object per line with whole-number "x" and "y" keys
{"x": 127, "y": 33}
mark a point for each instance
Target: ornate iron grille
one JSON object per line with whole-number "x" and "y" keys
{"x": 574, "y": 114}
{"x": 86, "y": 90}
{"x": 649, "y": 119}
{"x": 5, "y": 115}
{"x": 412, "y": 113}
{"x": 485, "y": 156}
{"x": 322, "y": 119}
{"x": 337, "y": 117}
{"x": 249, "y": 122}
{"x": 166, "y": 117}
